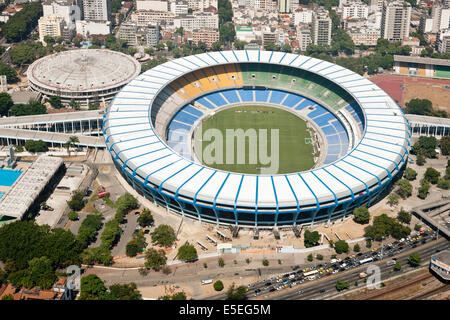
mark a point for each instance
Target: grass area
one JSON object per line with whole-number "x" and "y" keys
{"x": 295, "y": 151}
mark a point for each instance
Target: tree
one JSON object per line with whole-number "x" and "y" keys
{"x": 444, "y": 144}
{"x": 311, "y": 238}
{"x": 216, "y": 46}
{"x": 145, "y": 218}
{"x": 163, "y": 235}
{"x": 236, "y": 293}
{"x": 443, "y": 184}
{"x": 71, "y": 143}
{"x": 34, "y": 146}
{"x": 187, "y": 252}
{"x": 404, "y": 216}
{"x": 341, "y": 246}
{"x": 227, "y": 33}
{"x": 432, "y": 175}
{"x": 425, "y": 146}
{"x": 414, "y": 260}
{"x": 419, "y": 106}
{"x": 398, "y": 266}
{"x": 92, "y": 288}
{"x": 218, "y": 285}
{"x": 100, "y": 254}
{"x": 125, "y": 203}
{"x": 310, "y": 257}
{"x": 393, "y": 199}
{"x": 111, "y": 233}
{"x": 384, "y": 226}
{"x": 319, "y": 256}
{"x": 74, "y": 104}
{"x": 19, "y": 26}
{"x": 88, "y": 229}
{"x": 10, "y": 73}
{"x": 76, "y": 203}
{"x": 132, "y": 248}
{"x": 179, "y": 296}
{"x": 342, "y": 285}
{"x": 361, "y": 215}
{"x": 221, "y": 262}
{"x": 6, "y": 103}
{"x": 410, "y": 174}
{"x": 73, "y": 215}
{"x": 31, "y": 108}
{"x": 39, "y": 273}
{"x": 265, "y": 262}
{"x": 368, "y": 243}
{"x": 404, "y": 188}
{"x": 423, "y": 189}
{"x": 420, "y": 160}
{"x": 417, "y": 227}
{"x": 155, "y": 259}
{"x": 55, "y": 102}
{"x": 356, "y": 248}
{"x": 127, "y": 291}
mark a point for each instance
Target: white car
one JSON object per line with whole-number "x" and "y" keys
{"x": 292, "y": 276}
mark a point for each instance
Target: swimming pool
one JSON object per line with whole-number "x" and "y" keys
{"x": 8, "y": 177}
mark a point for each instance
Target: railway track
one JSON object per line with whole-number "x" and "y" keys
{"x": 442, "y": 288}
{"x": 400, "y": 287}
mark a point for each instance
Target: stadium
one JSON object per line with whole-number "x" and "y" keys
{"x": 357, "y": 136}
{"x": 84, "y": 75}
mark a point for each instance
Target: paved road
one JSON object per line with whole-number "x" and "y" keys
{"x": 128, "y": 229}
{"x": 324, "y": 288}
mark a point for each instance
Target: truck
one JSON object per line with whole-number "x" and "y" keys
{"x": 362, "y": 275}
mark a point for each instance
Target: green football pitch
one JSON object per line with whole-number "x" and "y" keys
{"x": 295, "y": 150}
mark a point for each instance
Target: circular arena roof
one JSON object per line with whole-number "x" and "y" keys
{"x": 83, "y": 71}
{"x": 135, "y": 146}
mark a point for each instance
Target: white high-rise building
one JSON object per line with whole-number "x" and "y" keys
{"x": 355, "y": 10}
{"x": 395, "y": 20}
{"x": 201, "y": 20}
{"x": 179, "y": 7}
{"x": 321, "y": 28}
{"x": 66, "y": 9}
{"x": 202, "y": 4}
{"x": 302, "y": 15}
{"x": 443, "y": 41}
{"x": 96, "y": 10}
{"x": 284, "y": 6}
{"x": 51, "y": 25}
{"x": 155, "y": 5}
{"x": 441, "y": 17}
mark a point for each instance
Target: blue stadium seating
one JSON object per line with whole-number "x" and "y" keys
{"x": 277, "y": 96}
{"x": 317, "y": 112}
{"x": 216, "y": 98}
{"x": 192, "y": 110}
{"x": 292, "y": 100}
{"x": 184, "y": 117}
{"x": 261, "y": 95}
{"x": 305, "y": 104}
{"x": 205, "y": 103}
{"x": 246, "y": 95}
{"x": 231, "y": 96}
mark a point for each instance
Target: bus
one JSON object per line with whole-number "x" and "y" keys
{"x": 364, "y": 261}
{"x": 310, "y": 273}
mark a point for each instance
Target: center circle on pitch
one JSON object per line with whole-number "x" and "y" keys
{"x": 254, "y": 139}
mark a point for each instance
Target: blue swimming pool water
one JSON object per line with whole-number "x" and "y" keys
{"x": 1, "y": 194}
{"x": 8, "y": 177}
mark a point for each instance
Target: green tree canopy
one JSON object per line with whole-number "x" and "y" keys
{"x": 145, "y": 218}
{"x": 311, "y": 238}
{"x": 410, "y": 174}
{"x": 6, "y": 103}
{"x": 163, "y": 235}
{"x": 432, "y": 175}
{"x": 155, "y": 259}
{"x": 187, "y": 252}
{"x": 127, "y": 291}
{"x": 404, "y": 216}
{"x": 93, "y": 288}
{"x": 341, "y": 246}
{"x": 361, "y": 215}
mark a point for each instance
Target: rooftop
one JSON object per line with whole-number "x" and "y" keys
{"x": 83, "y": 70}
{"x": 440, "y": 62}
{"x": 443, "y": 256}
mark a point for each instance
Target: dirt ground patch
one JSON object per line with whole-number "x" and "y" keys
{"x": 436, "y": 93}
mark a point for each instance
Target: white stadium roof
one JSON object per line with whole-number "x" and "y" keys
{"x": 130, "y": 133}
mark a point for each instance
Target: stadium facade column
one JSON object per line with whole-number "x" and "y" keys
{"x": 313, "y": 218}
{"x": 330, "y": 212}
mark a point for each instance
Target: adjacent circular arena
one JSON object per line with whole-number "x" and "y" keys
{"x": 83, "y": 75}
{"x": 362, "y": 136}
